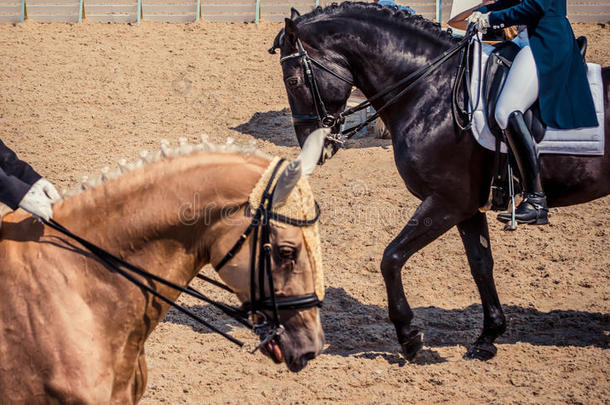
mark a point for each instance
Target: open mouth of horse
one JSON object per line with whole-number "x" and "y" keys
{"x": 273, "y": 350}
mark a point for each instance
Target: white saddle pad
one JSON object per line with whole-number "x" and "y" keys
{"x": 579, "y": 141}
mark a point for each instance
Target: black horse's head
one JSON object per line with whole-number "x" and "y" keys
{"x": 311, "y": 96}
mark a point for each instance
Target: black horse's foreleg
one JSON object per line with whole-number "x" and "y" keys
{"x": 475, "y": 236}
{"x": 431, "y": 219}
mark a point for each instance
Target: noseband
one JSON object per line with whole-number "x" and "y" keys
{"x": 260, "y": 228}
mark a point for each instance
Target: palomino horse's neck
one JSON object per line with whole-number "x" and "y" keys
{"x": 159, "y": 216}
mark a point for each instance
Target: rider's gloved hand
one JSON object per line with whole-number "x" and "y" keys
{"x": 49, "y": 189}
{"x": 39, "y": 199}
{"x": 480, "y": 21}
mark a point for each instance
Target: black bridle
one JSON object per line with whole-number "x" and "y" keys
{"x": 327, "y": 120}
{"x": 251, "y": 313}
{"x": 260, "y": 227}
{"x": 322, "y": 116}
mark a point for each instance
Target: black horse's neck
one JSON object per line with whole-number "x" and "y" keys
{"x": 380, "y": 46}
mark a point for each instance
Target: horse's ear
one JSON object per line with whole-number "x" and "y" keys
{"x": 291, "y": 31}
{"x": 294, "y": 13}
{"x": 303, "y": 165}
{"x": 286, "y": 182}
{"x": 277, "y": 42}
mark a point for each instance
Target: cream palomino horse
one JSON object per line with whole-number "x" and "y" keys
{"x": 74, "y": 332}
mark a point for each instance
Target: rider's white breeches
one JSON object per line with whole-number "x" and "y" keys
{"x": 521, "y": 88}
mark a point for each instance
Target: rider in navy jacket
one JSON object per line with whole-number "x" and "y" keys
{"x": 548, "y": 68}
{"x": 21, "y": 186}
{"x": 565, "y": 97}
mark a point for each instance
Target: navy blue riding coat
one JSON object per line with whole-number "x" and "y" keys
{"x": 565, "y": 96}
{"x": 16, "y": 177}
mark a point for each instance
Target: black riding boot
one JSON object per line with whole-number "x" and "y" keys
{"x": 533, "y": 209}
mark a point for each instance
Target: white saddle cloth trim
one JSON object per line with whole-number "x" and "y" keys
{"x": 579, "y": 141}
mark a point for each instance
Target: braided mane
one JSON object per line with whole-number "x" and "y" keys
{"x": 184, "y": 148}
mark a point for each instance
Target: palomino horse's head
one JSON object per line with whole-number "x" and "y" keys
{"x": 294, "y": 266}
{"x": 317, "y": 93}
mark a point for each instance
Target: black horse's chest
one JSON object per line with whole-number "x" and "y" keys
{"x": 409, "y": 162}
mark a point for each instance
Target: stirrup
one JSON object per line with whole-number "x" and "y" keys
{"x": 532, "y": 211}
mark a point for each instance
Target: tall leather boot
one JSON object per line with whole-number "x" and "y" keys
{"x": 533, "y": 209}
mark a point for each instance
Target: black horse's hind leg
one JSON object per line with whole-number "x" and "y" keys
{"x": 431, "y": 219}
{"x": 475, "y": 236}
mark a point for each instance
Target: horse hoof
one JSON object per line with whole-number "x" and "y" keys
{"x": 412, "y": 345}
{"x": 481, "y": 351}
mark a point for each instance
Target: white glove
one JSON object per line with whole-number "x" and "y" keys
{"x": 49, "y": 189}
{"x": 39, "y": 198}
{"x": 480, "y": 21}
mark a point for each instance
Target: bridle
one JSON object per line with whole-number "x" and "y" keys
{"x": 260, "y": 228}
{"x": 326, "y": 120}
{"x": 322, "y": 116}
{"x": 251, "y": 313}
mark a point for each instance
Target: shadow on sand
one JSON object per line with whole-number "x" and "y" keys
{"x": 272, "y": 126}
{"x": 276, "y": 127}
{"x": 360, "y": 330}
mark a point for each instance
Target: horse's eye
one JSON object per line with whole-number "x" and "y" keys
{"x": 293, "y": 81}
{"x": 287, "y": 252}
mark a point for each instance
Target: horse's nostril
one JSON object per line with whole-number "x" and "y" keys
{"x": 306, "y": 357}
{"x": 297, "y": 364}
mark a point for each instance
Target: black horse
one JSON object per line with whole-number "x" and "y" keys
{"x": 373, "y": 47}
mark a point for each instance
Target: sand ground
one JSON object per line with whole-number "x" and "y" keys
{"x": 76, "y": 98}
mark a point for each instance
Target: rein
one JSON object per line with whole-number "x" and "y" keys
{"x": 127, "y": 270}
{"x": 251, "y": 313}
{"x": 463, "y": 76}
{"x": 327, "y": 120}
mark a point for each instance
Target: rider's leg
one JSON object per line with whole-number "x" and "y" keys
{"x": 520, "y": 92}
{"x": 521, "y": 88}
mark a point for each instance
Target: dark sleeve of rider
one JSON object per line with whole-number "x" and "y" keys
{"x": 13, "y": 166}
{"x": 12, "y": 189}
{"x": 526, "y": 12}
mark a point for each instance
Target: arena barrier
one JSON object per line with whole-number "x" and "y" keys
{"x": 54, "y": 10}
{"x": 112, "y": 10}
{"x": 13, "y": 11}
